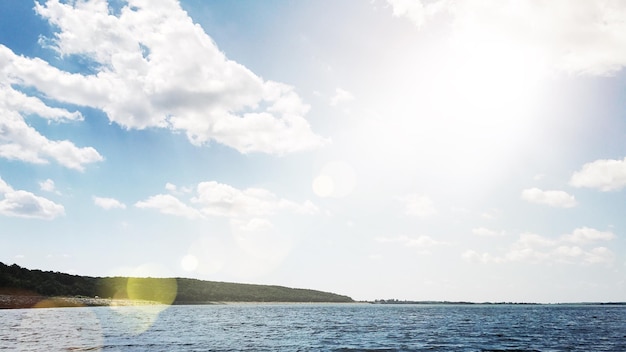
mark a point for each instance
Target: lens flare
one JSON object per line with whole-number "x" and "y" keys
{"x": 337, "y": 179}
{"x": 138, "y": 301}
{"x": 189, "y": 262}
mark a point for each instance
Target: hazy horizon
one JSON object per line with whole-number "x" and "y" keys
{"x": 407, "y": 149}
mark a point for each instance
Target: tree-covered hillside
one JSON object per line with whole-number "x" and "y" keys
{"x": 17, "y": 280}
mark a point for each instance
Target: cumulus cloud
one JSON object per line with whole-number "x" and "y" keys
{"x": 418, "y": 205}
{"x": 48, "y": 186}
{"x": 586, "y": 235}
{"x": 19, "y": 141}
{"x": 417, "y": 11}
{"x": 217, "y": 199}
{"x": 559, "y": 199}
{"x": 14, "y": 100}
{"x": 577, "y": 247}
{"x": 341, "y": 96}
{"x": 170, "y": 205}
{"x": 485, "y": 232}
{"x": 605, "y": 175}
{"x": 587, "y": 37}
{"x": 172, "y": 188}
{"x": 19, "y": 203}
{"x": 153, "y": 67}
{"x": 108, "y": 203}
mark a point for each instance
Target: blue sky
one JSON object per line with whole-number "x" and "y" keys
{"x": 436, "y": 150}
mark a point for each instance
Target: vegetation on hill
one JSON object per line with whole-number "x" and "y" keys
{"x": 17, "y": 280}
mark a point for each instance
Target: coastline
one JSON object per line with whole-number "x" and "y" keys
{"x": 27, "y": 301}
{"x": 36, "y": 301}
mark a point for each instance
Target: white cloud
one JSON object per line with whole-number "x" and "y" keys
{"x": 533, "y": 240}
{"x": 172, "y": 188}
{"x": 587, "y": 37}
{"x": 19, "y": 141}
{"x": 605, "y": 175}
{"x": 14, "y": 100}
{"x": 559, "y": 199}
{"x": 416, "y": 11}
{"x": 27, "y": 205}
{"x": 48, "y": 186}
{"x": 170, "y": 205}
{"x": 599, "y": 255}
{"x": 585, "y": 235}
{"x": 418, "y": 205}
{"x": 108, "y": 203}
{"x": 485, "y": 232}
{"x": 341, "y": 96}
{"x": 217, "y": 199}
{"x": 156, "y": 68}
{"x": 573, "y": 248}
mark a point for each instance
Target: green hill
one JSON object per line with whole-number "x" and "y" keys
{"x": 15, "y": 280}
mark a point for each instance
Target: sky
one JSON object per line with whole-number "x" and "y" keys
{"x": 417, "y": 150}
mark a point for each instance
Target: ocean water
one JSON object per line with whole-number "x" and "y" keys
{"x": 317, "y": 327}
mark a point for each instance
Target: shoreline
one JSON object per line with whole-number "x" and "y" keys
{"x": 36, "y": 301}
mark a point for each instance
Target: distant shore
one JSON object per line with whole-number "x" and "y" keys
{"x": 8, "y": 301}
{"x": 34, "y": 301}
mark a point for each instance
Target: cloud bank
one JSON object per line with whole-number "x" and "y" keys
{"x": 154, "y": 67}
{"x": 578, "y": 247}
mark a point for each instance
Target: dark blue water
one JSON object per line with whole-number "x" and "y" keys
{"x": 250, "y": 327}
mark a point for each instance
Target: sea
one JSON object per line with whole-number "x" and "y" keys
{"x": 317, "y": 327}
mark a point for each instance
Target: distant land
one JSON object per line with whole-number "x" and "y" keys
{"x": 24, "y": 288}
{"x": 396, "y": 301}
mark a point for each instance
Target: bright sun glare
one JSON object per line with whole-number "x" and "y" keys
{"x": 484, "y": 98}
